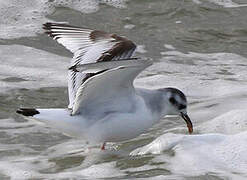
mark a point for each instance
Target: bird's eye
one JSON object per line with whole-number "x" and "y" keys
{"x": 172, "y": 100}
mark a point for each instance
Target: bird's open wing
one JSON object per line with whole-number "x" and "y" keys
{"x": 88, "y": 46}
{"x": 112, "y": 85}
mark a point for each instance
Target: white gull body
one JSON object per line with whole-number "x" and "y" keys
{"x": 104, "y": 106}
{"x": 109, "y": 108}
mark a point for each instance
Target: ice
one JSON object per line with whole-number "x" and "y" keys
{"x": 34, "y": 68}
{"x": 25, "y": 18}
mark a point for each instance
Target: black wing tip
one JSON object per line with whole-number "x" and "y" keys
{"x": 27, "y": 111}
{"x": 131, "y": 58}
{"x": 73, "y": 68}
{"x": 48, "y": 25}
{"x": 60, "y": 25}
{"x": 48, "y": 29}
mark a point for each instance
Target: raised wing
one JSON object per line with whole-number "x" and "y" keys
{"x": 88, "y": 46}
{"x": 104, "y": 91}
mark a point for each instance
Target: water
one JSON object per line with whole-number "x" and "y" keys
{"x": 197, "y": 46}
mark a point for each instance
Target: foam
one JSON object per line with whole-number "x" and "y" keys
{"x": 224, "y": 3}
{"x": 226, "y": 72}
{"x": 36, "y": 68}
{"x": 227, "y": 3}
{"x": 141, "y": 49}
{"x": 22, "y": 160}
{"x": 224, "y": 154}
{"x": 231, "y": 122}
{"x": 129, "y": 26}
{"x": 169, "y": 46}
{"x": 25, "y": 167}
{"x": 25, "y": 18}
{"x": 214, "y": 152}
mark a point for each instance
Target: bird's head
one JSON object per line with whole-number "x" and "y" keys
{"x": 176, "y": 104}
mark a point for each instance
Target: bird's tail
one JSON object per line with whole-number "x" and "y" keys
{"x": 27, "y": 111}
{"x": 60, "y": 119}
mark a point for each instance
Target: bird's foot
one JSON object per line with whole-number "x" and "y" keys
{"x": 103, "y": 146}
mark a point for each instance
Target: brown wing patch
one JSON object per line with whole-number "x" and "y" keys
{"x": 122, "y": 46}
{"x": 98, "y": 35}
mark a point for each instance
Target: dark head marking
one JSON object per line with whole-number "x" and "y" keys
{"x": 172, "y": 100}
{"x": 181, "y": 106}
{"x": 178, "y": 92}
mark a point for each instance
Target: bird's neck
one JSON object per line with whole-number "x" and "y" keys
{"x": 155, "y": 101}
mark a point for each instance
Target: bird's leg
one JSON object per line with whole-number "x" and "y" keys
{"x": 103, "y": 146}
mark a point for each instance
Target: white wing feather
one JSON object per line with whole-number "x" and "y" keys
{"x": 100, "y": 92}
{"x": 88, "y": 46}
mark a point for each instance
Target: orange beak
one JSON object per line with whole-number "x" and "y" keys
{"x": 188, "y": 122}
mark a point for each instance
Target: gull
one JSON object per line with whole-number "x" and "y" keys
{"x": 104, "y": 106}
